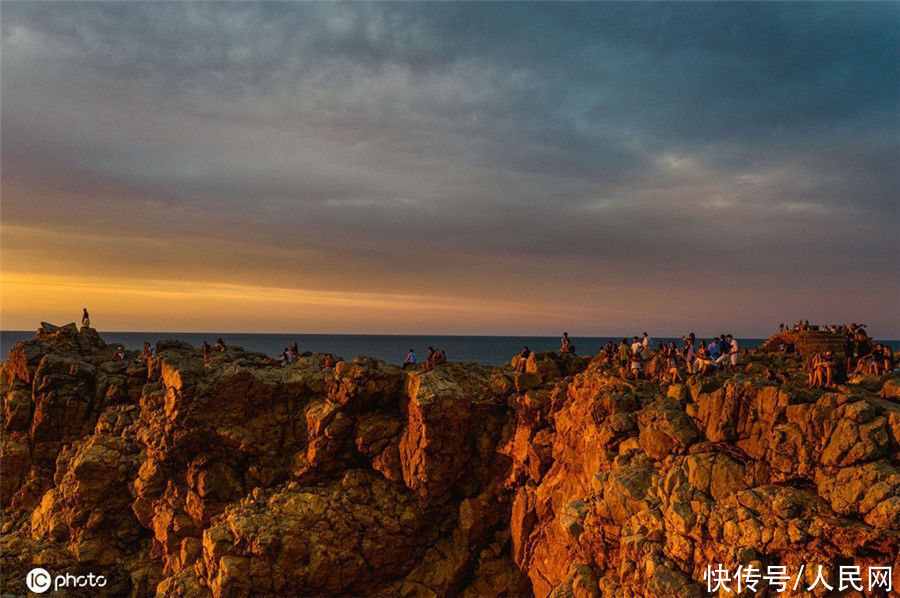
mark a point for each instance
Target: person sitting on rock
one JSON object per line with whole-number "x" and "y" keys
{"x": 672, "y": 373}
{"x": 220, "y": 345}
{"x": 876, "y": 361}
{"x": 328, "y": 362}
{"x": 410, "y": 359}
{"x": 567, "y": 346}
{"x": 147, "y": 353}
{"x": 609, "y": 353}
{"x": 85, "y": 318}
{"x": 888, "y": 354}
{"x": 119, "y": 355}
{"x": 524, "y": 354}
{"x": 811, "y": 366}
{"x": 636, "y": 362}
{"x": 440, "y": 357}
{"x": 206, "y": 351}
{"x": 825, "y": 371}
{"x": 702, "y": 361}
{"x": 429, "y": 359}
{"x": 295, "y": 350}
{"x": 286, "y": 356}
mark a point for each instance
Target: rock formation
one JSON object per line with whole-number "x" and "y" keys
{"x": 243, "y": 477}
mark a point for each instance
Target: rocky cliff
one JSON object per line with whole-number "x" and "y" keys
{"x": 239, "y": 476}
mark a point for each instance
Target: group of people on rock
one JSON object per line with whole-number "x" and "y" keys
{"x": 218, "y": 347}
{"x": 639, "y": 360}
{"x": 433, "y": 357}
{"x": 804, "y": 326}
{"x": 290, "y": 353}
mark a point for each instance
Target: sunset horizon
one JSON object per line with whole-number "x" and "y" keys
{"x": 383, "y": 169}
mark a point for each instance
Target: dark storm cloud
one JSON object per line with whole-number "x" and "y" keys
{"x": 602, "y": 139}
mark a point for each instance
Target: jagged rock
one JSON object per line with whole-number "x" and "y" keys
{"x": 237, "y": 476}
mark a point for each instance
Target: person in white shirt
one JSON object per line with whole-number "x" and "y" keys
{"x": 646, "y": 340}
{"x": 636, "y": 345}
{"x": 733, "y": 352}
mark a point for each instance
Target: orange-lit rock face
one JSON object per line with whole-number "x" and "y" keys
{"x": 242, "y": 477}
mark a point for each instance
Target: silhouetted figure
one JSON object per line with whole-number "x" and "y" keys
{"x": 85, "y": 318}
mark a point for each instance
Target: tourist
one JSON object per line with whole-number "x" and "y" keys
{"x": 689, "y": 351}
{"x": 645, "y": 340}
{"x": 410, "y": 359}
{"x": 147, "y": 353}
{"x": 328, "y": 361}
{"x": 636, "y": 364}
{"x": 85, "y": 318}
{"x": 119, "y": 355}
{"x": 220, "y": 345}
{"x": 811, "y": 366}
{"x": 609, "y": 353}
{"x": 623, "y": 353}
{"x": 206, "y": 351}
{"x": 295, "y": 350}
{"x": 702, "y": 361}
{"x": 440, "y": 357}
{"x": 286, "y": 356}
{"x": 567, "y": 346}
{"x": 733, "y": 349}
{"x": 825, "y": 371}
{"x": 636, "y": 345}
{"x": 524, "y": 354}
{"x": 888, "y": 358}
{"x": 672, "y": 365}
{"x": 714, "y": 352}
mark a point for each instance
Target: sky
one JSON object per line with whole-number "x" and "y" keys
{"x": 457, "y": 168}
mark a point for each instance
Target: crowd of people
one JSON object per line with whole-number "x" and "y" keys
{"x": 669, "y": 362}
{"x": 805, "y": 326}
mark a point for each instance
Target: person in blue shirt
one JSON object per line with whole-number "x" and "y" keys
{"x": 410, "y": 359}
{"x": 713, "y": 349}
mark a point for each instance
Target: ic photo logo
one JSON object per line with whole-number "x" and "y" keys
{"x": 39, "y": 581}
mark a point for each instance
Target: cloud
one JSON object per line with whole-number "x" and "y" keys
{"x": 458, "y": 146}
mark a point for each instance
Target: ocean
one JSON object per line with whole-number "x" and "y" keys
{"x": 487, "y": 350}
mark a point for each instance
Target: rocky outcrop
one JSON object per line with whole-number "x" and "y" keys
{"x": 242, "y": 477}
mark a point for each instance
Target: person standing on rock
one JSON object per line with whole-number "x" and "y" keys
{"x": 689, "y": 351}
{"x": 206, "y": 351}
{"x": 85, "y": 318}
{"x": 623, "y": 353}
{"x": 733, "y": 352}
{"x": 636, "y": 345}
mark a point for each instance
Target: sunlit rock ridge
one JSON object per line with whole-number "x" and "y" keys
{"x": 243, "y": 477}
